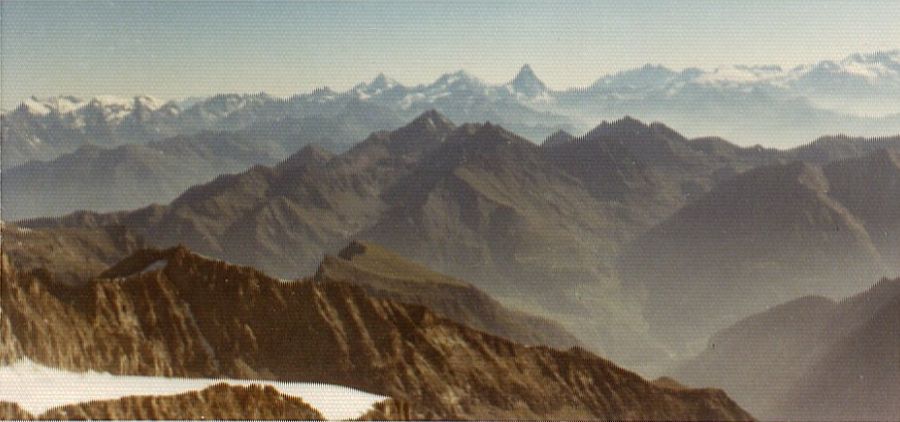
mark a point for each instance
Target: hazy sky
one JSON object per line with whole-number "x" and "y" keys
{"x": 177, "y": 49}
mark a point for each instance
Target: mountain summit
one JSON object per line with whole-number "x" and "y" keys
{"x": 527, "y": 83}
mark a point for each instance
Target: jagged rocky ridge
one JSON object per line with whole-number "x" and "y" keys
{"x": 218, "y": 402}
{"x": 200, "y": 317}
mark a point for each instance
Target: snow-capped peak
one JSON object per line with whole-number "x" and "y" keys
{"x": 35, "y": 107}
{"x": 379, "y": 85}
{"x": 740, "y": 74}
{"x": 42, "y": 107}
{"x": 458, "y": 78}
{"x": 382, "y": 82}
{"x": 111, "y": 108}
{"x": 148, "y": 102}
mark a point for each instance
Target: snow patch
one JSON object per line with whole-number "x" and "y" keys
{"x": 38, "y": 388}
{"x": 158, "y": 265}
{"x": 35, "y": 108}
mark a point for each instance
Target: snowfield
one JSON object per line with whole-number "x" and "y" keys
{"x": 37, "y": 388}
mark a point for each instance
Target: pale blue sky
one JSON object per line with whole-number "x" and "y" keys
{"x": 177, "y": 49}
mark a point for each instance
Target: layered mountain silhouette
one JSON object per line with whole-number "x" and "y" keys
{"x": 45, "y": 130}
{"x": 764, "y": 237}
{"x": 477, "y": 202}
{"x": 174, "y": 313}
{"x": 811, "y": 359}
{"x": 128, "y": 176}
{"x": 133, "y": 175}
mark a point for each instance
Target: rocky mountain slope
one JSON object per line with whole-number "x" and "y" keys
{"x": 385, "y": 274}
{"x": 70, "y": 255}
{"x": 812, "y": 358}
{"x": 162, "y": 319}
{"x": 222, "y": 402}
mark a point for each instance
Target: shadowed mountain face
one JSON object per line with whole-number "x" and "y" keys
{"x": 764, "y": 237}
{"x": 869, "y": 187}
{"x": 191, "y": 316}
{"x": 811, "y": 358}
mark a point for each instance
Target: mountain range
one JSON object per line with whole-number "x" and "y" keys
{"x": 751, "y": 104}
{"x": 477, "y": 274}
{"x": 480, "y": 203}
{"x": 153, "y": 315}
{"x": 763, "y": 237}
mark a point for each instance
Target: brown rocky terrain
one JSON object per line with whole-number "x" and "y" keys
{"x": 385, "y": 274}
{"x": 184, "y": 315}
{"x": 221, "y": 401}
{"x": 12, "y": 411}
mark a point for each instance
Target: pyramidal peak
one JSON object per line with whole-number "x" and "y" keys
{"x": 526, "y": 82}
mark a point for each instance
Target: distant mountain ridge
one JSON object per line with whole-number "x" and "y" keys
{"x": 751, "y": 104}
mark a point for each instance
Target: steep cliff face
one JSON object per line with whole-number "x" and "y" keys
{"x": 175, "y": 313}
{"x": 10, "y": 349}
